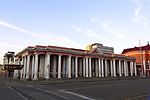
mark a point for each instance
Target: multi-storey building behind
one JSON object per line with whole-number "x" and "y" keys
{"x": 142, "y": 55}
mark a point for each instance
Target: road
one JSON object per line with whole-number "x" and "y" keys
{"x": 135, "y": 89}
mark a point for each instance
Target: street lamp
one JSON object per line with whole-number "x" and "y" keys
{"x": 141, "y": 60}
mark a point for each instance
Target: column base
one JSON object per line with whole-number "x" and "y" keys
{"x": 46, "y": 78}
{"x": 34, "y": 79}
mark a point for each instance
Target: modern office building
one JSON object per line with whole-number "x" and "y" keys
{"x": 60, "y": 62}
{"x": 142, "y": 55}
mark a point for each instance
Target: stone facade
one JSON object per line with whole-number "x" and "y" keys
{"x": 60, "y": 62}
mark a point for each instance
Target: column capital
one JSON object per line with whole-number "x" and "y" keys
{"x": 48, "y": 53}
{"x": 36, "y": 53}
{"x": 76, "y": 57}
{"x": 59, "y": 55}
{"x": 69, "y": 55}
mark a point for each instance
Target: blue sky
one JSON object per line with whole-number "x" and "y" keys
{"x": 73, "y": 23}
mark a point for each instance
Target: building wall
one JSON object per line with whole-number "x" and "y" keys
{"x": 142, "y": 61}
{"x": 140, "y": 56}
{"x": 50, "y": 62}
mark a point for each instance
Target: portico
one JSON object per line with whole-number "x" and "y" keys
{"x": 58, "y": 62}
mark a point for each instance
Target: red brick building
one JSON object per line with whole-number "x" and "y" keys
{"x": 142, "y": 55}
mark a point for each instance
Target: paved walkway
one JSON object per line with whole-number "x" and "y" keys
{"x": 66, "y": 80}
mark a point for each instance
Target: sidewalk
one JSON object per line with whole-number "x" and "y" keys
{"x": 93, "y": 79}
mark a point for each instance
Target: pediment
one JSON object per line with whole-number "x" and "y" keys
{"x": 96, "y": 50}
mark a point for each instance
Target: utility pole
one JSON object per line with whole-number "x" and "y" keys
{"x": 141, "y": 60}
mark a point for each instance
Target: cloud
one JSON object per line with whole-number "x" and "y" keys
{"x": 76, "y": 28}
{"x": 8, "y": 25}
{"x": 94, "y": 19}
{"x": 107, "y": 26}
{"x": 87, "y": 31}
{"x": 91, "y": 33}
{"x": 10, "y": 45}
{"x": 69, "y": 42}
{"x": 138, "y": 17}
{"x": 44, "y": 38}
{"x": 7, "y": 47}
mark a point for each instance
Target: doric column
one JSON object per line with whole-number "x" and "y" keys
{"x": 111, "y": 67}
{"x": 96, "y": 67}
{"x": 69, "y": 67}
{"x": 64, "y": 67}
{"x": 102, "y": 67}
{"x": 83, "y": 67}
{"x": 125, "y": 70}
{"x": 33, "y": 65}
{"x": 135, "y": 69}
{"x": 59, "y": 66}
{"x": 73, "y": 67}
{"x": 90, "y": 68}
{"x": 25, "y": 65}
{"x": 131, "y": 68}
{"x": 54, "y": 66}
{"x": 120, "y": 74}
{"x": 16, "y": 72}
{"x": 99, "y": 67}
{"x": 87, "y": 66}
{"x": 47, "y": 65}
{"x": 114, "y": 67}
{"x": 15, "y": 75}
{"x": 21, "y": 71}
{"x": 28, "y": 65}
{"x": 76, "y": 66}
{"x": 106, "y": 72}
{"x": 36, "y": 67}
{"x": 144, "y": 67}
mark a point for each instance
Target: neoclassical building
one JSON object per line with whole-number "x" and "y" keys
{"x": 142, "y": 55}
{"x": 60, "y": 62}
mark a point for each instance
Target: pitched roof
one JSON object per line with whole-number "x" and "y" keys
{"x": 147, "y": 47}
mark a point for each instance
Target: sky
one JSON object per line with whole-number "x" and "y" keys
{"x": 73, "y": 23}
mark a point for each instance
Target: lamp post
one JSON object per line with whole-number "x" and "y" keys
{"x": 141, "y": 60}
{"x": 148, "y": 67}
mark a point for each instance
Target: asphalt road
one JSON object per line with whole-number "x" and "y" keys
{"x": 136, "y": 89}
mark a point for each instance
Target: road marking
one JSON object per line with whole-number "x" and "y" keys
{"x": 48, "y": 92}
{"x": 136, "y": 97}
{"x": 18, "y": 93}
{"x": 52, "y": 93}
{"x": 79, "y": 95}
